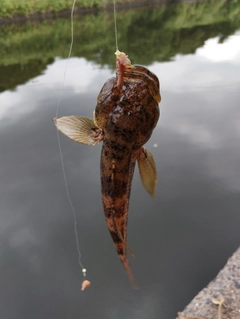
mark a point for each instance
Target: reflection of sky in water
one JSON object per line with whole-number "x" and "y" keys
{"x": 198, "y": 163}
{"x": 211, "y": 71}
{"x": 227, "y": 51}
{"x": 188, "y": 72}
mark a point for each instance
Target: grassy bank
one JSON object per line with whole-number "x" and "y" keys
{"x": 9, "y": 8}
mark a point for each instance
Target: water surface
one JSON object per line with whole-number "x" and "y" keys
{"x": 181, "y": 239}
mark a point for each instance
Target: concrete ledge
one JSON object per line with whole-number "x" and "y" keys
{"x": 221, "y": 298}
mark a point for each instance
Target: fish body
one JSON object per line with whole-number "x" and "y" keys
{"x": 126, "y": 113}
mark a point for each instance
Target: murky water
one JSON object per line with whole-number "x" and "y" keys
{"x": 181, "y": 239}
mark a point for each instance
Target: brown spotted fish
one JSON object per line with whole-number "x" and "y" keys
{"x": 127, "y": 111}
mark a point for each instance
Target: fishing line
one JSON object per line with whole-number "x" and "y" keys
{"x": 115, "y": 23}
{"x": 58, "y": 137}
{"x": 60, "y": 150}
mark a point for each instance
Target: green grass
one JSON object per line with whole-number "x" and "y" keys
{"x": 10, "y": 7}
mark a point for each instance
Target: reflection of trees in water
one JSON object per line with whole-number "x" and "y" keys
{"x": 15, "y": 74}
{"x": 181, "y": 41}
{"x": 146, "y": 34}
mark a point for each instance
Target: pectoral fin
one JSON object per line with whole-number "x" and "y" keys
{"x": 147, "y": 170}
{"x": 79, "y": 129}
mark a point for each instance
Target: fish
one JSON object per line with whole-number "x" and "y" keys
{"x": 125, "y": 116}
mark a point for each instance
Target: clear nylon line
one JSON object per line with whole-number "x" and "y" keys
{"x": 115, "y": 23}
{"x": 60, "y": 149}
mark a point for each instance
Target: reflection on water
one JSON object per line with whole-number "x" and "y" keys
{"x": 180, "y": 240}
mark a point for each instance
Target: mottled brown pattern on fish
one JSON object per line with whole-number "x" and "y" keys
{"x": 116, "y": 176}
{"x": 106, "y": 101}
{"x": 140, "y": 73}
{"x": 126, "y": 113}
{"x": 127, "y": 117}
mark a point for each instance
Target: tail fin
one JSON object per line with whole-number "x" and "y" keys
{"x": 127, "y": 267}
